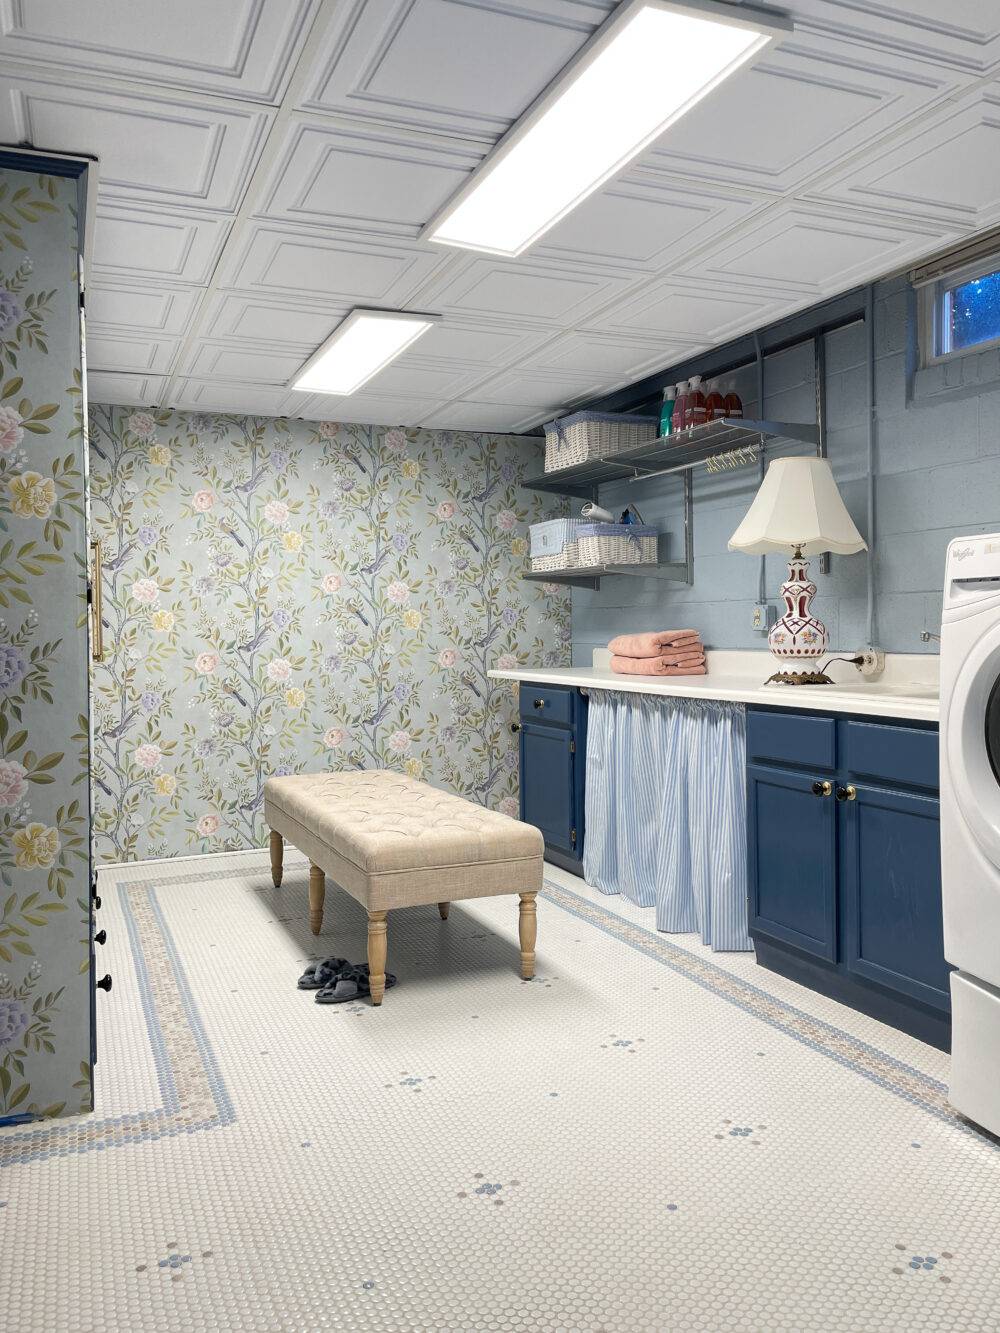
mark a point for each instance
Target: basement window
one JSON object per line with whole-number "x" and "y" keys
{"x": 960, "y": 311}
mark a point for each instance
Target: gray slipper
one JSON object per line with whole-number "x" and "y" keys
{"x": 325, "y": 973}
{"x": 352, "y": 984}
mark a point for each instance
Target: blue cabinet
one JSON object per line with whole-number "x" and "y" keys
{"x": 845, "y": 862}
{"x": 553, "y": 742}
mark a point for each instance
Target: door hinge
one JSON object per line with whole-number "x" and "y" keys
{"x": 572, "y": 747}
{"x": 572, "y": 836}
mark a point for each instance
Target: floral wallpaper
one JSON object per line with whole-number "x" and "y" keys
{"x": 284, "y": 596}
{"x": 45, "y": 998}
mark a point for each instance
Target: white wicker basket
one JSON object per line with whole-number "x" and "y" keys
{"x": 575, "y": 439}
{"x": 568, "y": 558}
{"x": 550, "y": 537}
{"x": 617, "y": 544}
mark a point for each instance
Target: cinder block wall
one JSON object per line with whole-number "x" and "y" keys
{"x": 937, "y": 476}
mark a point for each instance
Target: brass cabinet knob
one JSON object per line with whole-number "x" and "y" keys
{"x": 822, "y": 788}
{"x": 848, "y": 793}
{"x": 515, "y": 727}
{"x": 539, "y": 703}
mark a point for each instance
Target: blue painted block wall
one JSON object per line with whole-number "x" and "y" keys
{"x": 937, "y": 476}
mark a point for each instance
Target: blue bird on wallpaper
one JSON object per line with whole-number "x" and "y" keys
{"x": 375, "y": 565}
{"x": 468, "y": 537}
{"x": 119, "y": 730}
{"x": 235, "y": 535}
{"x": 470, "y": 684}
{"x": 379, "y": 713}
{"x": 256, "y": 478}
{"x": 251, "y": 645}
{"x": 361, "y": 616}
{"x": 231, "y": 689}
{"x": 487, "y": 639}
{"x": 118, "y": 560}
{"x": 480, "y": 497}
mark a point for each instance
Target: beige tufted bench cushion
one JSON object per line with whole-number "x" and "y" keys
{"x": 391, "y": 841}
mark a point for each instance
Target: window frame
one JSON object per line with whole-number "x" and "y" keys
{"x": 932, "y": 297}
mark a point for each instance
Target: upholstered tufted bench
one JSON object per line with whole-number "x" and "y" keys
{"x": 391, "y": 841}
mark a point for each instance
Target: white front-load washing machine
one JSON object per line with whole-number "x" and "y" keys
{"x": 970, "y": 821}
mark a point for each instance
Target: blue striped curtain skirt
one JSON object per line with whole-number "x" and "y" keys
{"x": 666, "y": 810}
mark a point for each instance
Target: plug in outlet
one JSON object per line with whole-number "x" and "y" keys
{"x": 872, "y": 661}
{"x": 763, "y": 617}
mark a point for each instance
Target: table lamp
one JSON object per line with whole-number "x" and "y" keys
{"x": 798, "y": 509}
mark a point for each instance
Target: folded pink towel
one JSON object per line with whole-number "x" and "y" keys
{"x": 653, "y": 643}
{"x": 653, "y": 666}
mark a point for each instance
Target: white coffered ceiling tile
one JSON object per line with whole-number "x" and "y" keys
{"x": 243, "y": 363}
{"x": 947, "y": 171}
{"x": 130, "y": 352}
{"x": 152, "y": 243}
{"x": 365, "y": 409}
{"x": 642, "y": 221}
{"x": 467, "y": 66}
{"x": 533, "y": 388}
{"x": 421, "y": 377}
{"x": 239, "y": 47}
{"x": 386, "y": 182}
{"x": 190, "y": 153}
{"x": 963, "y": 35}
{"x": 809, "y": 105}
{"x": 235, "y": 316}
{"x": 139, "y": 307}
{"x": 519, "y": 289}
{"x": 610, "y": 361}
{"x": 327, "y": 266}
{"x": 470, "y": 415}
{"x": 198, "y": 395}
{"x": 471, "y": 343}
{"x": 694, "y": 311}
{"x": 816, "y": 250}
{"x": 129, "y": 390}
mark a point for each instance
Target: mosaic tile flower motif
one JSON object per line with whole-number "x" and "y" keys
{"x": 488, "y": 1191}
{"x": 286, "y": 595}
{"x": 918, "y": 1264}
{"x": 741, "y": 1131}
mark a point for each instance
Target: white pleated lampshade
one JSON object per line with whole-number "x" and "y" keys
{"x": 798, "y": 505}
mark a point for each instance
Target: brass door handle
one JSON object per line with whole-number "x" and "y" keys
{"x": 822, "y": 788}
{"x": 96, "y": 604}
{"x": 848, "y": 793}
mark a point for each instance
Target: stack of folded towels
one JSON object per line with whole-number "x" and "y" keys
{"x": 668, "y": 652}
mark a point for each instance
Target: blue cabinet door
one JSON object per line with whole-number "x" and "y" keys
{"x": 793, "y": 861}
{"x": 891, "y": 891}
{"x": 548, "y": 783}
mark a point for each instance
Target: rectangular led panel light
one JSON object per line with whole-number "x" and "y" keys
{"x": 650, "y": 62}
{"x": 358, "y": 348}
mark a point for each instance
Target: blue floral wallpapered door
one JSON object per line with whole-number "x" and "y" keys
{"x": 285, "y": 595}
{"x": 44, "y": 860}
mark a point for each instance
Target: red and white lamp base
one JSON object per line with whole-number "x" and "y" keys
{"x": 798, "y": 635}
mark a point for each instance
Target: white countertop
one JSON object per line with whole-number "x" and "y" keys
{"x": 908, "y": 687}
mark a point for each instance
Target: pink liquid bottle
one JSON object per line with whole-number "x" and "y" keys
{"x": 694, "y": 413}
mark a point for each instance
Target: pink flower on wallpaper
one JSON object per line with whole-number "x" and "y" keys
{"x": 147, "y": 755}
{"x": 400, "y": 741}
{"x": 334, "y": 737}
{"x": 506, "y": 662}
{"x": 332, "y": 583}
{"x": 445, "y": 510}
{"x": 328, "y": 429}
{"x": 506, "y": 520}
{"x": 447, "y": 657}
{"x": 276, "y": 513}
{"x": 11, "y": 430}
{"x": 205, "y": 663}
{"x": 203, "y": 501}
{"x": 397, "y": 592}
{"x": 279, "y": 670}
{"x": 207, "y": 825}
{"x": 12, "y": 782}
{"x": 395, "y": 440}
{"x": 145, "y": 591}
{"x": 509, "y": 806}
{"x": 142, "y": 424}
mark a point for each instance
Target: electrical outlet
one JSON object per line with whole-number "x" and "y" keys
{"x": 762, "y": 617}
{"x": 872, "y": 661}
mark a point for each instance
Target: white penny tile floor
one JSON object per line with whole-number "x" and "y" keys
{"x": 647, "y": 1136}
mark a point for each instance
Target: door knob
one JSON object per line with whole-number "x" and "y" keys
{"x": 101, "y": 937}
{"x": 539, "y": 703}
{"x": 105, "y": 982}
{"x": 822, "y": 788}
{"x": 848, "y": 793}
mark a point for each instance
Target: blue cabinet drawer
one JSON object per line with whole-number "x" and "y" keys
{"x": 552, "y": 704}
{"x": 891, "y": 754}
{"x": 798, "y": 740}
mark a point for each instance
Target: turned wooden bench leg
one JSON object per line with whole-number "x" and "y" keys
{"x": 376, "y": 954}
{"x": 527, "y": 929}
{"x": 317, "y": 892}
{"x": 277, "y": 855}
{"x": 443, "y": 909}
